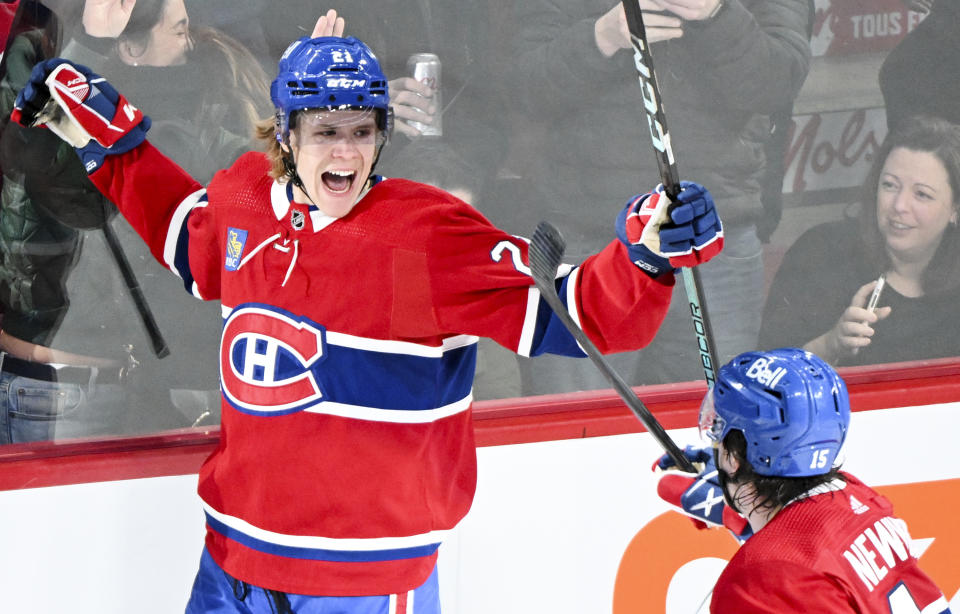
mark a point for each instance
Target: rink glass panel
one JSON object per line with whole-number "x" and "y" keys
{"x": 495, "y": 150}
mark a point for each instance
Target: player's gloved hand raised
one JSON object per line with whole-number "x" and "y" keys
{"x": 699, "y": 496}
{"x": 662, "y": 236}
{"x": 82, "y": 109}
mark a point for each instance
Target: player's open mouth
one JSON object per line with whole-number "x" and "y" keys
{"x": 339, "y": 182}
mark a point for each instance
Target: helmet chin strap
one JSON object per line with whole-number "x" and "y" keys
{"x": 290, "y": 165}
{"x": 725, "y": 480}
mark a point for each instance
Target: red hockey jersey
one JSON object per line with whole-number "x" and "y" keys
{"x": 840, "y": 550}
{"x": 347, "y": 359}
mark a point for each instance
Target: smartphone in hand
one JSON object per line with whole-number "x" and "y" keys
{"x": 875, "y": 296}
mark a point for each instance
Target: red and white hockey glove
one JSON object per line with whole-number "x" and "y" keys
{"x": 82, "y": 109}
{"x": 662, "y": 236}
{"x": 699, "y": 496}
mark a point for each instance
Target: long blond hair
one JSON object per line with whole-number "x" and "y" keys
{"x": 266, "y": 132}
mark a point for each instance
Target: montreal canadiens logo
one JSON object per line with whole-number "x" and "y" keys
{"x": 267, "y": 357}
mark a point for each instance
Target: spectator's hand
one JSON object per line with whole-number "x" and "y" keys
{"x": 854, "y": 328}
{"x": 691, "y": 10}
{"x": 329, "y": 25}
{"x": 106, "y": 18}
{"x": 662, "y": 236}
{"x": 699, "y": 496}
{"x": 919, "y": 6}
{"x": 412, "y": 101}
{"x": 82, "y": 109}
{"x": 611, "y": 32}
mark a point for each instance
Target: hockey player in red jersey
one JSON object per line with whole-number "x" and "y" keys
{"x": 818, "y": 539}
{"x": 352, "y": 305}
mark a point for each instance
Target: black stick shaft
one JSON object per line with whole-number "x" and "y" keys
{"x": 133, "y": 285}
{"x": 545, "y": 250}
{"x": 670, "y": 177}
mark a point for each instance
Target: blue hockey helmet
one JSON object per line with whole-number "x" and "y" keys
{"x": 332, "y": 73}
{"x": 791, "y": 406}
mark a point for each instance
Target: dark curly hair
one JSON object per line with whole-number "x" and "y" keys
{"x": 772, "y": 492}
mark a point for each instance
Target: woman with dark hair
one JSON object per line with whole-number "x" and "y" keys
{"x": 157, "y": 34}
{"x": 203, "y": 90}
{"x": 906, "y": 231}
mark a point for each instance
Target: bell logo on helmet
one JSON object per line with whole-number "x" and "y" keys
{"x": 761, "y": 372}
{"x": 791, "y": 406}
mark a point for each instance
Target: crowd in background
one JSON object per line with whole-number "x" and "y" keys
{"x": 541, "y": 120}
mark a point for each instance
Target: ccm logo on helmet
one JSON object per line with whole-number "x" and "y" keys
{"x": 345, "y": 82}
{"x": 761, "y": 372}
{"x": 267, "y": 357}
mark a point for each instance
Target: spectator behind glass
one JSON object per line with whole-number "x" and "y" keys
{"x": 921, "y": 75}
{"x": 204, "y": 92}
{"x": 46, "y": 204}
{"x": 66, "y": 301}
{"x": 722, "y": 69}
{"x": 906, "y": 229}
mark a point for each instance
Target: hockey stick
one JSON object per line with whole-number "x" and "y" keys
{"x": 546, "y": 250}
{"x": 140, "y": 301}
{"x": 670, "y": 177}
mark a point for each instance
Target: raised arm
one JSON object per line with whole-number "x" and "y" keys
{"x": 109, "y": 134}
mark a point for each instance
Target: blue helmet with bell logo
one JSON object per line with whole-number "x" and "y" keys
{"x": 791, "y": 406}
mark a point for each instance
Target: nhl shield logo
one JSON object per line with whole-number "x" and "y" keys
{"x": 297, "y": 219}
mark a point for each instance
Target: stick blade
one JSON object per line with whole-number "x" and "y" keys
{"x": 546, "y": 252}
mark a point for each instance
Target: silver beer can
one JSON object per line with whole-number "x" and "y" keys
{"x": 425, "y": 68}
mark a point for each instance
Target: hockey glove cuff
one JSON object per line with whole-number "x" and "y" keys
{"x": 663, "y": 236}
{"x": 699, "y": 496}
{"x": 81, "y": 108}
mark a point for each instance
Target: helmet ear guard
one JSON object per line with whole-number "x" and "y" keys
{"x": 791, "y": 406}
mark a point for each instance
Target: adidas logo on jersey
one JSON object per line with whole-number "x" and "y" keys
{"x": 857, "y": 507}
